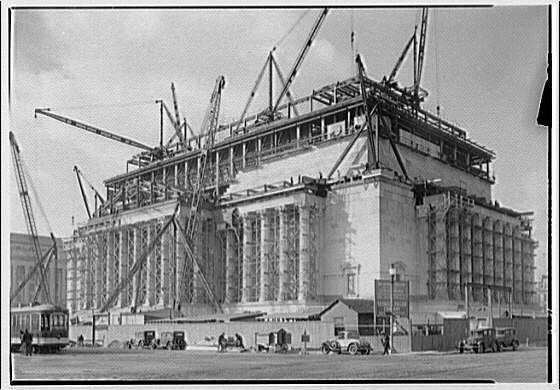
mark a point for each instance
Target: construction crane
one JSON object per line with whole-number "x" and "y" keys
{"x": 299, "y": 59}
{"x": 421, "y": 52}
{"x": 271, "y": 64}
{"x": 30, "y": 223}
{"x": 97, "y": 196}
{"x": 372, "y": 137}
{"x": 400, "y": 60}
{"x": 209, "y": 127}
{"x": 92, "y": 129}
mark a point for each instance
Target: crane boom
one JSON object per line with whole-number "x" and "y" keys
{"x": 421, "y": 50}
{"x": 80, "y": 176}
{"x": 401, "y": 59}
{"x": 253, "y": 91}
{"x": 92, "y": 129}
{"x": 283, "y": 81}
{"x": 300, "y": 58}
{"x": 84, "y": 197}
{"x": 175, "y": 105}
{"x": 28, "y": 215}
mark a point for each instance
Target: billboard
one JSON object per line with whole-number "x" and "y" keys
{"x": 401, "y": 298}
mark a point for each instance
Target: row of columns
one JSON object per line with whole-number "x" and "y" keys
{"x": 465, "y": 247}
{"x": 274, "y": 240}
{"x": 104, "y": 259}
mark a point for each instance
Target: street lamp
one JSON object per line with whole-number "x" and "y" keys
{"x": 392, "y": 272}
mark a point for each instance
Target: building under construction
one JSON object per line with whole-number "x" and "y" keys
{"x": 310, "y": 200}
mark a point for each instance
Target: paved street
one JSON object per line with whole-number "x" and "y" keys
{"x": 525, "y": 365}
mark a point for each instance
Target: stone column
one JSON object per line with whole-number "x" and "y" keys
{"x": 517, "y": 266}
{"x": 231, "y": 259}
{"x": 247, "y": 253}
{"x": 132, "y": 250}
{"x": 303, "y": 288}
{"x": 508, "y": 258}
{"x": 165, "y": 269}
{"x": 282, "y": 255}
{"x": 466, "y": 248}
{"x": 101, "y": 262}
{"x": 477, "y": 272}
{"x": 498, "y": 260}
{"x": 453, "y": 254}
{"x": 123, "y": 274}
{"x": 179, "y": 272}
{"x": 266, "y": 249}
{"x": 488, "y": 239}
{"x": 149, "y": 268}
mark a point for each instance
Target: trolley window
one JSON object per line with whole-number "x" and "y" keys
{"x": 45, "y": 321}
{"x": 35, "y": 321}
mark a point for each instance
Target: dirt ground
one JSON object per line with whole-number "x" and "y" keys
{"x": 525, "y": 365}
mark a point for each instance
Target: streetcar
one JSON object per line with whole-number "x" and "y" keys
{"x": 48, "y": 324}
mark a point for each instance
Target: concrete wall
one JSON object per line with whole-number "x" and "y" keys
{"x": 351, "y": 230}
{"x": 427, "y": 167}
{"x": 399, "y": 235}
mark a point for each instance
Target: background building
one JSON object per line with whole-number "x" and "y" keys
{"x": 22, "y": 260}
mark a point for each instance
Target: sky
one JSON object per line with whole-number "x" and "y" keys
{"x": 485, "y": 68}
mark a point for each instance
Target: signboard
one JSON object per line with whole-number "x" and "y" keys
{"x": 401, "y": 299}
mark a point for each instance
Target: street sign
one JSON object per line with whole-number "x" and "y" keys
{"x": 401, "y": 299}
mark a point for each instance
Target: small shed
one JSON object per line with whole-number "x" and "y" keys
{"x": 350, "y": 314}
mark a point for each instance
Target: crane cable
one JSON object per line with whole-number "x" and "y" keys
{"x": 35, "y": 194}
{"x": 104, "y": 105}
{"x": 353, "y": 50}
{"x": 437, "y": 62}
{"x": 290, "y": 30}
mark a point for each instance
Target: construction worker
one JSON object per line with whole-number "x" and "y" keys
{"x": 239, "y": 341}
{"x": 222, "y": 342}
{"x": 386, "y": 345}
{"x": 23, "y": 345}
{"x": 27, "y": 340}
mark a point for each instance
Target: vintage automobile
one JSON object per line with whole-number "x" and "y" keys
{"x": 145, "y": 339}
{"x": 347, "y": 341}
{"x": 172, "y": 340}
{"x": 480, "y": 340}
{"x": 506, "y": 338}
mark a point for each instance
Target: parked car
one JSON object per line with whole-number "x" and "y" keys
{"x": 172, "y": 340}
{"x": 347, "y": 341}
{"x": 145, "y": 339}
{"x": 480, "y": 340}
{"x": 506, "y": 338}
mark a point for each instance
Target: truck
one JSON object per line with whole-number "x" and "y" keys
{"x": 346, "y": 342}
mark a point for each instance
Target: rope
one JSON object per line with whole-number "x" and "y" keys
{"x": 291, "y": 29}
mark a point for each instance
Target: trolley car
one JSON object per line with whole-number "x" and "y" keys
{"x": 48, "y": 324}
